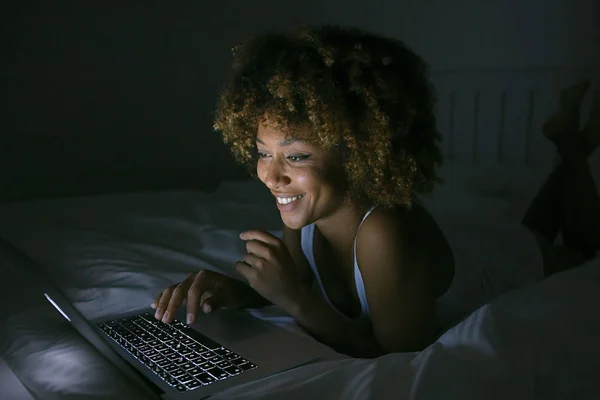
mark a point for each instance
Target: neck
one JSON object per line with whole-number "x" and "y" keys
{"x": 339, "y": 228}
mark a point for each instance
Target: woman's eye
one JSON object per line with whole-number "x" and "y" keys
{"x": 297, "y": 158}
{"x": 262, "y": 155}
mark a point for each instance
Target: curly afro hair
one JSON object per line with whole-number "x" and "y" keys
{"x": 367, "y": 97}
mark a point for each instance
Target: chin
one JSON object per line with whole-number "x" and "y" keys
{"x": 293, "y": 223}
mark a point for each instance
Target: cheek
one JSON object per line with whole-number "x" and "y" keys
{"x": 261, "y": 171}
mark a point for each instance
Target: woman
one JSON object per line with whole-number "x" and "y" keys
{"x": 339, "y": 125}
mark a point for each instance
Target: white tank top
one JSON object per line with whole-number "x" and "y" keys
{"x": 307, "y": 240}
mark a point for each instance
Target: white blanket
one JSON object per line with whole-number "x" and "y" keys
{"x": 115, "y": 253}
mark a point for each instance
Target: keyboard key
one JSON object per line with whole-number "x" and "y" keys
{"x": 194, "y": 357}
{"x": 230, "y": 356}
{"x": 180, "y": 360}
{"x": 217, "y": 373}
{"x": 185, "y": 378}
{"x": 171, "y": 381}
{"x": 177, "y": 373}
{"x": 188, "y": 365}
{"x": 195, "y": 371}
{"x": 178, "y": 347}
{"x": 233, "y": 370}
{"x": 247, "y": 366}
{"x": 170, "y": 368}
{"x": 186, "y": 351}
{"x": 181, "y": 388}
{"x": 158, "y": 357}
{"x": 193, "y": 384}
{"x": 151, "y": 353}
{"x": 164, "y": 363}
{"x": 222, "y": 351}
{"x": 167, "y": 352}
{"x": 239, "y": 361}
{"x": 214, "y": 359}
{"x": 205, "y": 378}
{"x": 223, "y": 364}
{"x": 206, "y": 365}
{"x": 195, "y": 346}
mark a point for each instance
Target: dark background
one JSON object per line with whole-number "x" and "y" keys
{"x": 111, "y": 96}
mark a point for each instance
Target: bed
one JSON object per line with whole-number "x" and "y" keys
{"x": 114, "y": 251}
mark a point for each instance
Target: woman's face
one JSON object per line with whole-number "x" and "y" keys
{"x": 304, "y": 178}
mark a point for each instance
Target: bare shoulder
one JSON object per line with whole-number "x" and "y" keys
{"x": 384, "y": 233}
{"x": 409, "y": 240}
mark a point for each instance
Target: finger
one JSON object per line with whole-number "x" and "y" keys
{"x": 246, "y": 271}
{"x": 254, "y": 261}
{"x": 179, "y": 293}
{"x": 206, "y": 296}
{"x": 163, "y": 301}
{"x": 260, "y": 235}
{"x": 156, "y": 300}
{"x": 195, "y": 292}
{"x": 214, "y": 302}
{"x": 259, "y": 248}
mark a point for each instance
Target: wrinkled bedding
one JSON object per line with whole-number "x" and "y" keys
{"x": 114, "y": 253}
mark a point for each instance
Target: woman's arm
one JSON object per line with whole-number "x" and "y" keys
{"x": 317, "y": 317}
{"x": 325, "y": 324}
{"x": 397, "y": 281}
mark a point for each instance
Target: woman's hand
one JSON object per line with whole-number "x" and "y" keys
{"x": 269, "y": 269}
{"x": 207, "y": 290}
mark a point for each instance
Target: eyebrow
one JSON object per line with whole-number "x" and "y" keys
{"x": 285, "y": 142}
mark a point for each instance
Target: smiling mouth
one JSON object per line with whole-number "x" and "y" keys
{"x": 288, "y": 200}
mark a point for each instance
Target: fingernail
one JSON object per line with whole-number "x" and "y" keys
{"x": 165, "y": 317}
{"x": 153, "y": 305}
{"x": 206, "y": 308}
{"x": 158, "y": 313}
{"x": 190, "y": 318}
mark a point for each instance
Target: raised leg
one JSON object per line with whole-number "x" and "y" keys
{"x": 544, "y": 213}
{"x": 569, "y": 201}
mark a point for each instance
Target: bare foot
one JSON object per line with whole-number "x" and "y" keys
{"x": 590, "y": 134}
{"x": 564, "y": 123}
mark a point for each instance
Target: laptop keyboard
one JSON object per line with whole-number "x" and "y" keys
{"x": 181, "y": 356}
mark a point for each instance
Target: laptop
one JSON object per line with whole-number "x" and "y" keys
{"x": 175, "y": 361}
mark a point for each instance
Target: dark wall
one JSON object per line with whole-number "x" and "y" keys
{"x": 97, "y": 90}
{"x": 122, "y": 89}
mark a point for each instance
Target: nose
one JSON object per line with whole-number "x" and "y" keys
{"x": 276, "y": 176}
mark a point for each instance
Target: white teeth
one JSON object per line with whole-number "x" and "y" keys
{"x": 288, "y": 200}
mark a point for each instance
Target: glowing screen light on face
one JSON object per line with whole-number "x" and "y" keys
{"x": 57, "y": 307}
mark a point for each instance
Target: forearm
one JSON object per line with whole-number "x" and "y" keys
{"x": 319, "y": 319}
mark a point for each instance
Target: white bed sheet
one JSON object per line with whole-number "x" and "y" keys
{"x": 114, "y": 253}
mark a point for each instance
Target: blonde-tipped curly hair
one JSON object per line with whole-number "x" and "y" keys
{"x": 365, "y": 96}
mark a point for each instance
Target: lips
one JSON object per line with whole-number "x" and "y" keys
{"x": 288, "y": 200}
{"x": 288, "y": 203}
